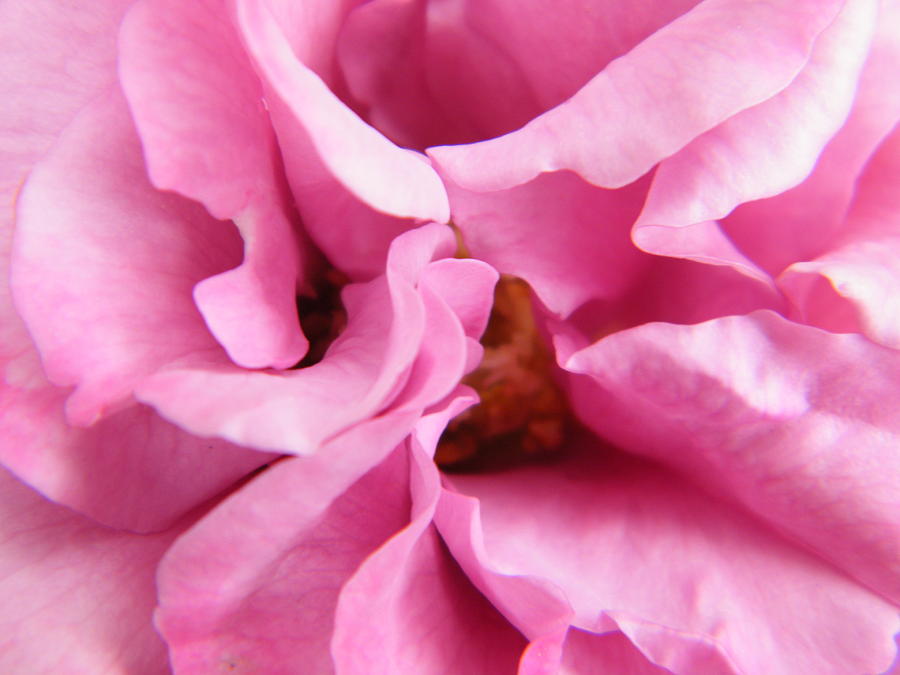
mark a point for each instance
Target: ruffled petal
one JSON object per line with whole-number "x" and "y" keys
{"x": 796, "y": 425}
{"x": 76, "y": 597}
{"x": 696, "y": 585}
{"x": 198, "y": 108}
{"x": 402, "y": 350}
{"x": 720, "y": 58}
{"x": 409, "y": 609}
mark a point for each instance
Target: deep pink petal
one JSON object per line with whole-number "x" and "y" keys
{"x": 742, "y": 159}
{"x": 720, "y": 58}
{"x": 76, "y": 597}
{"x": 795, "y": 424}
{"x": 104, "y": 265}
{"x": 198, "y": 107}
{"x": 855, "y": 287}
{"x": 696, "y": 585}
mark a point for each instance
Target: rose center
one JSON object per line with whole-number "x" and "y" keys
{"x": 322, "y": 314}
{"x": 523, "y": 415}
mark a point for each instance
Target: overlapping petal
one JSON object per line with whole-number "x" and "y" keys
{"x": 198, "y": 107}
{"x": 696, "y": 585}
{"x": 794, "y": 424}
{"x": 403, "y": 349}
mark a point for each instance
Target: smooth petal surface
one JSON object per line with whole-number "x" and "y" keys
{"x": 697, "y": 586}
{"x": 76, "y": 597}
{"x": 409, "y": 609}
{"x": 794, "y": 424}
{"x": 105, "y": 309}
{"x": 568, "y": 239}
{"x": 206, "y": 134}
{"x": 720, "y": 58}
{"x": 854, "y": 287}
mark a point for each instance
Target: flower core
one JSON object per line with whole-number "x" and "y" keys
{"x": 523, "y": 415}
{"x": 322, "y": 314}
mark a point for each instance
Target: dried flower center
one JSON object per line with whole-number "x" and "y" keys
{"x": 322, "y": 314}
{"x": 523, "y": 415}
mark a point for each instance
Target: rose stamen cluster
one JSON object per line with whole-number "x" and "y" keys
{"x": 523, "y": 415}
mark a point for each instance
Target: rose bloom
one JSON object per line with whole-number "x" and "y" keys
{"x": 450, "y": 336}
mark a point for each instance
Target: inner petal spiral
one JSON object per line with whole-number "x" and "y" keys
{"x": 523, "y": 415}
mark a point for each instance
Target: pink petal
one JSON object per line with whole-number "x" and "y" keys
{"x": 198, "y": 107}
{"x": 796, "y": 425}
{"x": 301, "y": 528}
{"x": 104, "y": 307}
{"x": 402, "y": 350}
{"x": 742, "y": 159}
{"x": 131, "y": 470}
{"x": 460, "y": 71}
{"x": 696, "y": 585}
{"x": 590, "y": 654}
{"x": 76, "y": 597}
{"x": 720, "y": 58}
{"x": 409, "y": 609}
{"x": 387, "y": 178}
{"x": 800, "y": 223}
{"x": 568, "y": 239}
{"x": 854, "y": 287}
{"x": 41, "y": 96}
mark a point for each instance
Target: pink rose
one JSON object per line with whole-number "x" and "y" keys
{"x": 685, "y": 455}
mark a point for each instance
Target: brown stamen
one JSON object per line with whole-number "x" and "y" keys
{"x": 523, "y": 415}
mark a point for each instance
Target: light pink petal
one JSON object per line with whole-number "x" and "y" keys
{"x": 301, "y": 529}
{"x": 801, "y": 223}
{"x": 198, "y": 107}
{"x": 720, "y": 58}
{"x": 104, "y": 265}
{"x": 854, "y": 287}
{"x": 773, "y": 146}
{"x": 381, "y": 359}
{"x": 697, "y": 586}
{"x": 796, "y": 425}
{"x": 75, "y": 596}
{"x": 568, "y": 239}
{"x": 387, "y": 178}
{"x": 409, "y": 609}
